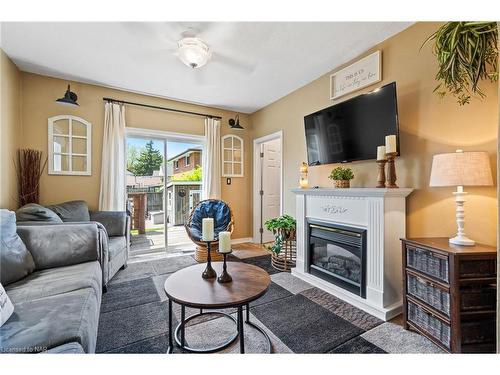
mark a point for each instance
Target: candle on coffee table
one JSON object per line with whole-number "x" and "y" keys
{"x": 381, "y": 153}
{"x": 207, "y": 232}
{"x": 224, "y": 242}
{"x": 390, "y": 144}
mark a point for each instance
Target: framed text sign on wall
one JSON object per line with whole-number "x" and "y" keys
{"x": 362, "y": 73}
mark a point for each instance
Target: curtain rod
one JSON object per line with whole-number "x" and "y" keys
{"x": 162, "y": 108}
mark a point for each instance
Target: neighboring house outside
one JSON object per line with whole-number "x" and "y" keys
{"x": 182, "y": 195}
{"x": 185, "y": 161}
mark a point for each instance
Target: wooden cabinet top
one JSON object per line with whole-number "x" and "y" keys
{"x": 442, "y": 243}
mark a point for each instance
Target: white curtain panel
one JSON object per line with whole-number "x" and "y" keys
{"x": 212, "y": 160}
{"x": 112, "y": 194}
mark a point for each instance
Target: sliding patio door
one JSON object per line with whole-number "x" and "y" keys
{"x": 164, "y": 177}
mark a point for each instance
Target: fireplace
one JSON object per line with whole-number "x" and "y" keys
{"x": 337, "y": 254}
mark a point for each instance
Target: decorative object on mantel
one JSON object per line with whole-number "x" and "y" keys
{"x": 391, "y": 153}
{"x": 461, "y": 169}
{"x": 69, "y": 98}
{"x": 381, "y": 160}
{"x": 29, "y": 170}
{"x": 208, "y": 237}
{"x": 225, "y": 249}
{"x": 303, "y": 183}
{"x": 283, "y": 250}
{"x": 467, "y": 52}
{"x": 362, "y": 73}
{"x": 341, "y": 177}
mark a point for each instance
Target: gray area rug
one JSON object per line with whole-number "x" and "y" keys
{"x": 297, "y": 317}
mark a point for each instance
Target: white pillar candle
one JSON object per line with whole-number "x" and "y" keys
{"x": 207, "y": 233}
{"x": 224, "y": 242}
{"x": 390, "y": 143}
{"x": 381, "y": 153}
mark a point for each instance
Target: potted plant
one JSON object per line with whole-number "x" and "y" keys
{"x": 341, "y": 177}
{"x": 467, "y": 52}
{"x": 283, "y": 251}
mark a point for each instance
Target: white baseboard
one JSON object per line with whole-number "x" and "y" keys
{"x": 235, "y": 241}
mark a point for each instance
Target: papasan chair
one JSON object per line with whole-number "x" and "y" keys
{"x": 223, "y": 221}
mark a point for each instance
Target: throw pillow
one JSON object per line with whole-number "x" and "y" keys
{"x": 16, "y": 262}
{"x": 35, "y": 212}
{"x": 6, "y": 306}
{"x": 72, "y": 211}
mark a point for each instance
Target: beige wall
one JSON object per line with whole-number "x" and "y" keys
{"x": 10, "y": 129}
{"x": 428, "y": 126}
{"x": 39, "y": 94}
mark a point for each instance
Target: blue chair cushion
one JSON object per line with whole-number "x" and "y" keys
{"x": 216, "y": 209}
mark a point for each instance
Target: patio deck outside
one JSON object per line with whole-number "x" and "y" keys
{"x": 153, "y": 241}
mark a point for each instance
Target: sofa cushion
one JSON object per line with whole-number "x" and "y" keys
{"x": 116, "y": 246}
{"x": 35, "y": 212}
{"x": 69, "y": 348}
{"x": 59, "y": 280}
{"x": 72, "y": 211}
{"x": 16, "y": 261}
{"x": 49, "y": 322}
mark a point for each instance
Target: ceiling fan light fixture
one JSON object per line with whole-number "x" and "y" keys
{"x": 69, "y": 98}
{"x": 193, "y": 52}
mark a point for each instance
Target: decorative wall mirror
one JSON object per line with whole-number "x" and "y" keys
{"x": 70, "y": 143}
{"x": 232, "y": 156}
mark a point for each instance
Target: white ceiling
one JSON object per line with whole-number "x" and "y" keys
{"x": 253, "y": 64}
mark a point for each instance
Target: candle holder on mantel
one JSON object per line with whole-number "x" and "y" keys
{"x": 224, "y": 277}
{"x": 391, "y": 171}
{"x": 381, "y": 173}
{"x": 209, "y": 272}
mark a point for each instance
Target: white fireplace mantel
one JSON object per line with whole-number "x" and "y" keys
{"x": 382, "y": 212}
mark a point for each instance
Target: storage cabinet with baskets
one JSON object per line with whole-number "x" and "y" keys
{"x": 450, "y": 294}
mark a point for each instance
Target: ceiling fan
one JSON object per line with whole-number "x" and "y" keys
{"x": 195, "y": 44}
{"x": 193, "y": 52}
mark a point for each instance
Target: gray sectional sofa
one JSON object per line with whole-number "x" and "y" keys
{"x": 113, "y": 226}
{"x": 53, "y": 276}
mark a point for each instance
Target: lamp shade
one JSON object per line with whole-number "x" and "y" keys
{"x": 461, "y": 169}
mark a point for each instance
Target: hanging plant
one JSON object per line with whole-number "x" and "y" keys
{"x": 467, "y": 52}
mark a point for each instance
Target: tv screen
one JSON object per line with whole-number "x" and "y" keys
{"x": 353, "y": 129}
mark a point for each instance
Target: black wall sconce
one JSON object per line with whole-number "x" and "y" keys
{"x": 235, "y": 123}
{"x": 69, "y": 98}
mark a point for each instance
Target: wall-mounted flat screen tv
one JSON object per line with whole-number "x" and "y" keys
{"x": 352, "y": 130}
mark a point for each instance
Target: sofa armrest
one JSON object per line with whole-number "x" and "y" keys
{"x": 61, "y": 244}
{"x": 115, "y": 222}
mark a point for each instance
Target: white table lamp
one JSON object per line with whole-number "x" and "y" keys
{"x": 461, "y": 169}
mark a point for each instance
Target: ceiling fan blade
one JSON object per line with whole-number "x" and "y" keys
{"x": 234, "y": 63}
{"x": 200, "y": 76}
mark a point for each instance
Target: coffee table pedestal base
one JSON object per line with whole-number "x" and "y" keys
{"x": 180, "y": 337}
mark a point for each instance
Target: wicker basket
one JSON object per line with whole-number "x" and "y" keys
{"x": 429, "y": 324}
{"x": 201, "y": 253}
{"x": 342, "y": 183}
{"x": 285, "y": 260}
{"x": 430, "y": 294}
{"x": 427, "y": 262}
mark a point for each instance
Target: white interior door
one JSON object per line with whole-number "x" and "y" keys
{"x": 271, "y": 184}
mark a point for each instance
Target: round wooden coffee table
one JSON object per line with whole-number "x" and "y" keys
{"x": 186, "y": 287}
